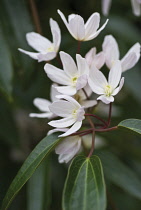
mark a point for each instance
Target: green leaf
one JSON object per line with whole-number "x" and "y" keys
{"x": 39, "y": 187}
{"x": 85, "y": 188}
{"x": 120, "y": 174}
{"x": 31, "y": 163}
{"x": 132, "y": 125}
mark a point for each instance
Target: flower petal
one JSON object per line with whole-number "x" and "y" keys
{"x": 42, "y": 115}
{"x": 73, "y": 129}
{"x": 42, "y": 104}
{"x": 110, "y": 48}
{"x": 63, "y": 123}
{"x": 70, "y": 99}
{"x": 63, "y": 17}
{"x": 90, "y": 55}
{"x": 56, "y": 130}
{"x": 115, "y": 74}
{"x": 99, "y": 60}
{"x": 106, "y": 4}
{"x": 62, "y": 108}
{"x": 92, "y": 24}
{"x": 69, "y": 90}
{"x": 38, "y": 42}
{"x": 76, "y": 27}
{"x": 31, "y": 54}
{"x": 88, "y": 103}
{"x": 82, "y": 64}
{"x": 136, "y": 7}
{"x": 97, "y": 80}
{"x": 106, "y": 99}
{"x": 69, "y": 65}
{"x": 56, "y": 33}
{"x": 56, "y": 75}
{"x": 54, "y": 92}
{"x": 115, "y": 92}
{"x": 131, "y": 57}
{"x": 81, "y": 81}
{"x": 46, "y": 56}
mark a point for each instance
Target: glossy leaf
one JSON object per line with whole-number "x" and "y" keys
{"x": 85, "y": 188}
{"x": 133, "y": 125}
{"x": 120, "y": 174}
{"x": 29, "y": 166}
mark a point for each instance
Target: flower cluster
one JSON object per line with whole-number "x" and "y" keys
{"x": 75, "y": 84}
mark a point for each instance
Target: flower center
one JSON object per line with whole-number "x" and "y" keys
{"x": 77, "y": 97}
{"x": 50, "y": 49}
{"x": 74, "y": 80}
{"x": 74, "y": 113}
{"x": 108, "y": 90}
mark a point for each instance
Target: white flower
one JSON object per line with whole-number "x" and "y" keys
{"x": 71, "y": 111}
{"x": 46, "y": 49}
{"x": 81, "y": 98}
{"x": 136, "y": 6}
{"x": 68, "y": 148}
{"x": 111, "y": 50}
{"x": 106, "y": 89}
{"x": 83, "y": 31}
{"x": 95, "y": 59}
{"x": 73, "y": 77}
{"x": 106, "y": 4}
{"x": 43, "y": 104}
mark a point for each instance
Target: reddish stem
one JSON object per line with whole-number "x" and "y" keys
{"x": 109, "y": 117}
{"x": 78, "y": 47}
{"x": 95, "y": 116}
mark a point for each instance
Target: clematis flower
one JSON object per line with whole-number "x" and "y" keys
{"x": 46, "y": 50}
{"x": 106, "y": 4}
{"x": 81, "y": 98}
{"x": 68, "y": 148}
{"x": 111, "y": 50}
{"x": 71, "y": 111}
{"x": 73, "y": 78}
{"x": 136, "y": 6}
{"x": 81, "y": 31}
{"x": 43, "y": 105}
{"x": 95, "y": 59}
{"x": 106, "y": 89}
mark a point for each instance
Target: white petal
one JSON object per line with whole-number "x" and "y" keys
{"x": 97, "y": 81}
{"x": 56, "y": 33}
{"x": 38, "y": 42}
{"x": 66, "y": 90}
{"x": 42, "y": 104}
{"x": 70, "y": 99}
{"x": 94, "y": 35}
{"x": 54, "y": 92}
{"x": 99, "y": 60}
{"x": 90, "y": 55}
{"x": 31, "y": 54}
{"x": 42, "y": 115}
{"x": 136, "y": 7}
{"x": 110, "y": 48}
{"x": 106, "y": 99}
{"x": 65, "y": 146}
{"x": 82, "y": 64}
{"x": 92, "y": 24}
{"x": 106, "y": 4}
{"x": 131, "y": 57}
{"x": 63, "y": 123}
{"x": 76, "y": 27}
{"x": 115, "y": 74}
{"x": 46, "y": 57}
{"x": 73, "y": 129}
{"x": 81, "y": 81}
{"x": 69, "y": 65}
{"x": 88, "y": 103}
{"x": 115, "y": 92}
{"x": 63, "y": 17}
{"x": 56, "y": 75}
{"x": 56, "y": 130}
{"x": 62, "y": 108}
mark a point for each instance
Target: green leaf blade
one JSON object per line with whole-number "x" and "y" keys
{"x": 132, "y": 125}
{"x": 84, "y": 187}
{"x": 31, "y": 163}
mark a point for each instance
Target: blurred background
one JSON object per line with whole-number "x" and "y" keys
{"x": 23, "y": 79}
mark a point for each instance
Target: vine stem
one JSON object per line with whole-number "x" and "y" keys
{"x": 99, "y": 118}
{"x": 93, "y": 137}
{"x": 85, "y": 93}
{"x": 78, "y": 47}
{"x": 35, "y": 16}
{"x": 110, "y": 113}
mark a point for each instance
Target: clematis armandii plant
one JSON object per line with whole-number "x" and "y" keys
{"x": 111, "y": 50}
{"x": 83, "y": 31}
{"x": 46, "y": 50}
{"x": 106, "y": 89}
{"x": 71, "y": 111}
{"x": 73, "y": 78}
